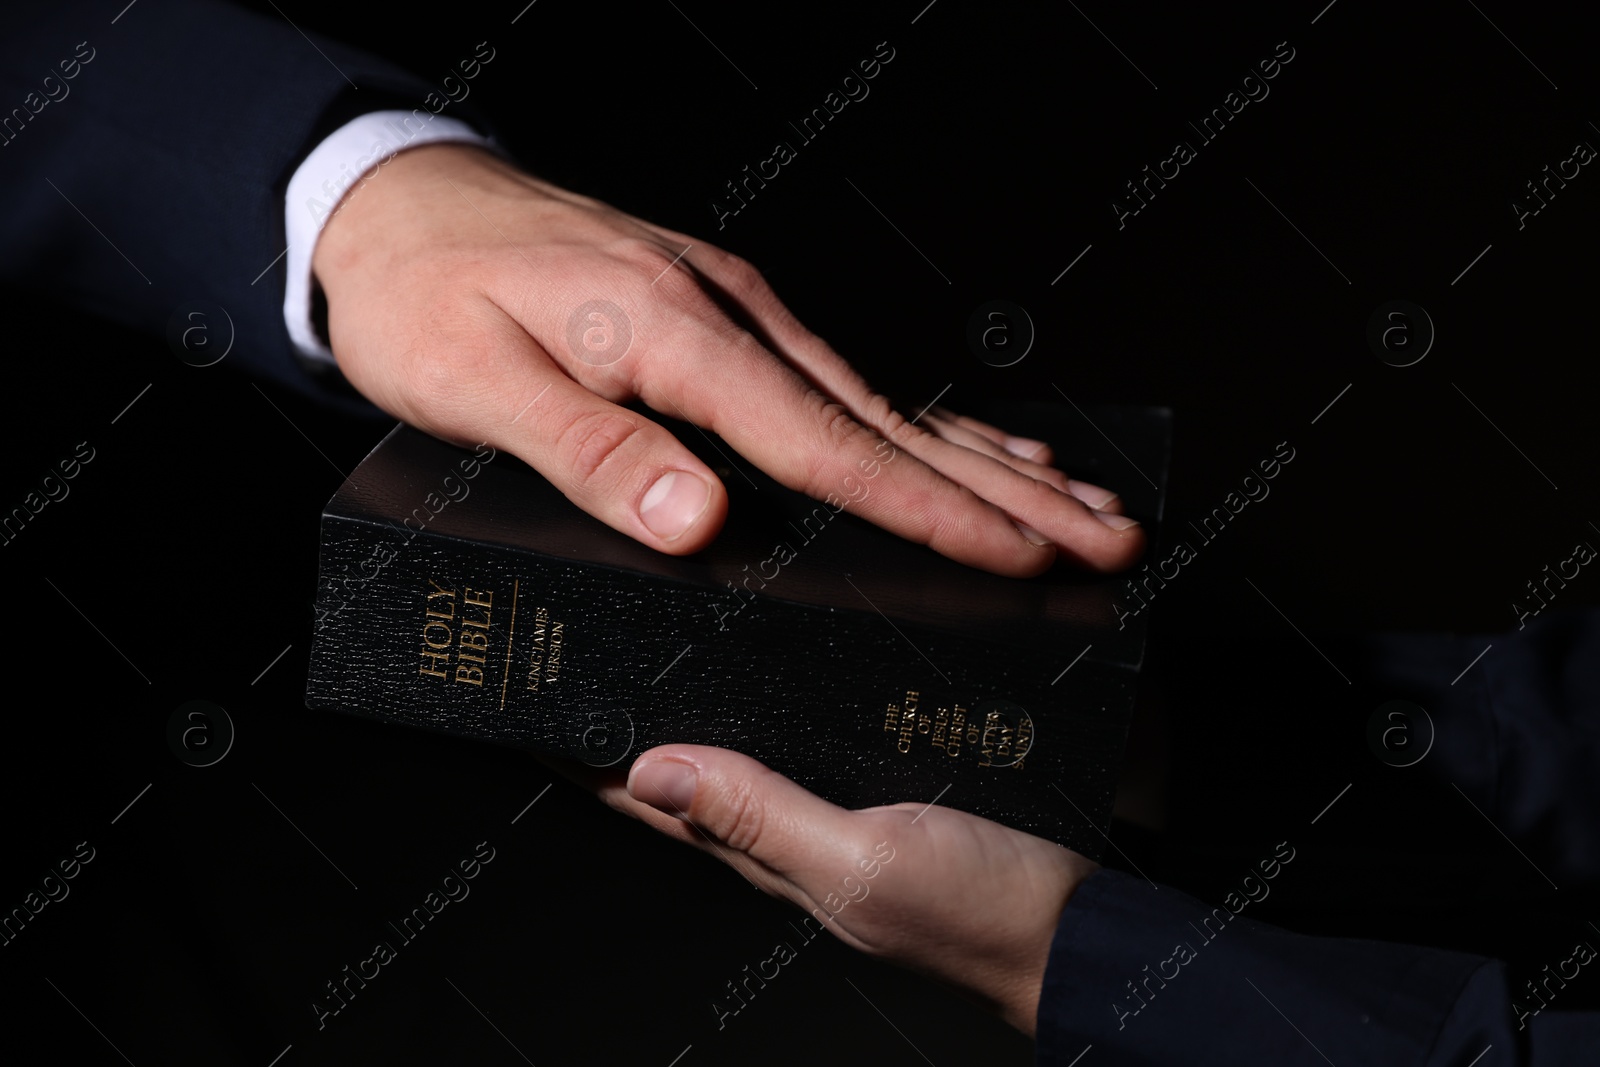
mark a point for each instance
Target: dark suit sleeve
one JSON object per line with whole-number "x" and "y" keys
{"x": 156, "y": 173}
{"x": 1151, "y": 976}
{"x": 1148, "y": 976}
{"x": 1516, "y": 726}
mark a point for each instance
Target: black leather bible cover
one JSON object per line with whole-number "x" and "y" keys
{"x": 461, "y": 592}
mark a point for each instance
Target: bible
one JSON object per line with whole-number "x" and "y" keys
{"x": 461, "y": 592}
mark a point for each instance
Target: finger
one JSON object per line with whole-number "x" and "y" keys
{"x": 1100, "y": 541}
{"x": 1023, "y": 447}
{"x": 1097, "y": 497}
{"x": 483, "y": 378}
{"x": 688, "y": 359}
{"x": 748, "y": 291}
{"x": 809, "y": 442}
{"x": 960, "y": 435}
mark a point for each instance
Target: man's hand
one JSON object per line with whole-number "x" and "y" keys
{"x": 962, "y": 899}
{"x": 481, "y": 304}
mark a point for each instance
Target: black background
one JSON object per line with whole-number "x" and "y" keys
{"x": 996, "y": 140}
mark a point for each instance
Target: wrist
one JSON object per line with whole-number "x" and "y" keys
{"x": 1018, "y": 1002}
{"x": 327, "y": 182}
{"x": 374, "y": 196}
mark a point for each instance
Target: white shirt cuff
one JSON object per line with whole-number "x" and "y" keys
{"x": 320, "y": 182}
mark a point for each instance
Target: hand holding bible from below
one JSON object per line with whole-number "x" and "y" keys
{"x": 481, "y": 304}
{"x": 969, "y": 902}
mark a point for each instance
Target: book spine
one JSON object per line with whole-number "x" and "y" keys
{"x": 598, "y": 664}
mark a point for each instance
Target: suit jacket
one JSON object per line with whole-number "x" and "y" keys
{"x": 143, "y": 163}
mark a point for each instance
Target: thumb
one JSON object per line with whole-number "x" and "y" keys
{"x": 757, "y": 820}
{"x": 481, "y": 377}
{"x": 621, "y": 467}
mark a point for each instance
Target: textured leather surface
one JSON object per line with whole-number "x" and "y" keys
{"x": 653, "y": 650}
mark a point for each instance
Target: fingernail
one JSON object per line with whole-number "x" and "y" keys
{"x": 1116, "y": 522}
{"x": 674, "y": 504}
{"x": 1093, "y": 495}
{"x": 665, "y": 784}
{"x": 1026, "y": 447}
{"x": 1033, "y": 536}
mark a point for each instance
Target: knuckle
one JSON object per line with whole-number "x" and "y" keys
{"x": 742, "y": 817}
{"x": 840, "y": 436}
{"x": 746, "y": 284}
{"x": 742, "y": 276}
{"x": 895, "y": 428}
{"x": 679, "y": 289}
{"x": 592, "y": 440}
{"x": 839, "y": 425}
{"x": 665, "y": 274}
{"x": 1039, "y": 496}
{"x": 641, "y": 253}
